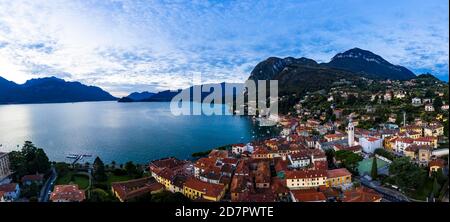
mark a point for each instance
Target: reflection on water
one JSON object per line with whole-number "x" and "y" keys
{"x": 117, "y": 131}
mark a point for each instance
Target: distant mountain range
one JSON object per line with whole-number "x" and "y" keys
{"x": 167, "y": 95}
{"x": 50, "y": 90}
{"x": 303, "y": 74}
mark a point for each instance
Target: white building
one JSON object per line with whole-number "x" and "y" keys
{"x": 370, "y": 144}
{"x": 4, "y": 167}
{"x": 298, "y": 160}
{"x": 429, "y": 107}
{"x": 11, "y": 191}
{"x": 416, "y": 101}
{"x": 402, "y": 143}
{"x": 241, "y": 148}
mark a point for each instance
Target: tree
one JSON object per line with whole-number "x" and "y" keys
{"x": 374, "y": 172}
{"x": 406, "y": 175}
{"x": 330, "y": 153}
{"x": 29, "y": 160}
{"x": 113, "y": 164}
{"x": 99, "y": 195}
{"x": 435, "y": 189}
{"x": 348, "y": 159}
{"x": 99, "y": 170}
{"x": 437, "y": 103}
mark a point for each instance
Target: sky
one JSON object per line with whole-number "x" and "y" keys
{"x": 135, "y": 45}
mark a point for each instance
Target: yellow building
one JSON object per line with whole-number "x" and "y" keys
{"x": 164, "y": 177}
{"x": 197, "y": 189}
{"x": 338, "y": 177}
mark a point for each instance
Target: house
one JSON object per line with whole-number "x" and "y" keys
{"x": 67, "y": 193}
{"x": 361, "y": 194}
{"x": 416, "y": 101}
{"x": 241, "y": 148}
{"x": 11, "y": 191}
{"x": 402, "y": 143}
{"x": 429, "y": 107}
{"x": 444, "y": 107}
{"x": 299, "y": 159}
{"x": 370, "y": 144}
{"x": 300, "y": 179}
{"x": 2, "y": 196}
{"x": 4, "y": 166}
{"x": 426, "y": 141}
{"x": 334, "y": 137}
{"x": 196, "y": 189}
{"x": 435, "y": 129}
{"x": 310, "y": 195}
{"x": 128, "y": 190}
{"x": 262, "y": 175}
{"x": 37, "y": 179}
{"x": 435, "y": 165}
{"x": 339, "y": 178}
{"x": 424, "y": 154}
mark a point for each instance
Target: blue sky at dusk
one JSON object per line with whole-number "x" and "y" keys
{"x": 124, "y": 46}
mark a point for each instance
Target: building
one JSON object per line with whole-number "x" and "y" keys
{"x": 4, "y": 166}
{"x": 301, "y": 179}
{"x": 299, "y": 159}
{"x": 262, "y": 175}
{"x": 67, "y": 193}
{"x": 429, "y": 107}
{"x": 310, "y": 195}
{"x": 339, "y": 178}
{"x": 370, "y": 144}
{"x": 435, "y": 165}
{"x": 351, "y": 134}
{"x": 241, "y": 148}
{"x": 196, "y": 189}
{"x": 416, "y": 101}
{"x": 128, "y": 190}
{"x": 423, "y": 154}
{"x": 2, "y": 196}
{"x": 426, "y": 141}
{"x": 33, "y": 179}
{"x": 401, "y": 144}
{"x": 11, "y": 191}
{"x": 361, "y": 194}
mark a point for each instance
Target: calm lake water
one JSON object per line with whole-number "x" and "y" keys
{"x": 117, "y": 131}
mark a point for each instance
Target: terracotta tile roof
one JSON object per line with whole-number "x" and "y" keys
{"x": 33, "y": 177}
{"x": 312, "y": 196}
{"x": 212, "y": 190}
{"x": 170, "y": 162}
{"x": 428, "y": 139}
{"x": 320, "y": 165}
{"x": 9, "y": 187}
{"x": 361, "y": 194}
{"x": 67, "y": 193}
{"x": 437, "y": 162}
{"x": 341, "y": 172}
{"x": 205, "y": 162}
{"x": 218, "y": 154}
{"x": 240, "y": 184}
{"x": 133, "y": 188}
{"x": 299, "y": 174}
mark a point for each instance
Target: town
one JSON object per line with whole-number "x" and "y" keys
{"x": 377, "y": 141}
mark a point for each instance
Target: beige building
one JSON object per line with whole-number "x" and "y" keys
{"x": 4, "y": 165}
{"x": 302, "y": 179}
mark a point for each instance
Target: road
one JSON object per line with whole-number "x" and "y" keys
{"x": 45, "y": 191}
{"x": 388, "y": 194}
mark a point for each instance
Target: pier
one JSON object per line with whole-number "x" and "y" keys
{"x": 77, "y": 157}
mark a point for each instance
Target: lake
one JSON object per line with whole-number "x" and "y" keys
{"x": 117, "y": 131}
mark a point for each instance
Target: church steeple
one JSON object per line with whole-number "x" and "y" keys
{"x": 351, "y": 133}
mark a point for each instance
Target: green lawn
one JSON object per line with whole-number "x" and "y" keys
{"x": 114, "y": 178}
{"x": 365, "y": 166}
{"x": 73, "y": 178}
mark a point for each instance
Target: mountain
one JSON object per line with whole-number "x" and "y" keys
{"x": 369, "y": 64}
{"x": 167, "y": 95}
{"x": 303, "y": 74}
{"x": 50, "y": 90}
{"x": 140, "y": 96}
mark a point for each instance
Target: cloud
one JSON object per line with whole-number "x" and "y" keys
{"x": 137, "y": 45}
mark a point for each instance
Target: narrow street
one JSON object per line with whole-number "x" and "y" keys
{"x": 45, "y": 191}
